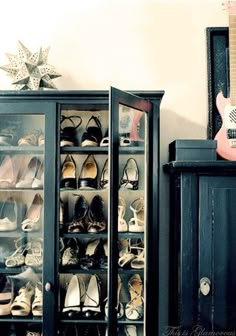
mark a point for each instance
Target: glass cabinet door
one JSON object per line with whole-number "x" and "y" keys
{"x": 22, "y": 199}
{"x": 129, "y": 204}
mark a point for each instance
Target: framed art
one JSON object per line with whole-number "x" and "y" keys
{"x": 218, "y": 73}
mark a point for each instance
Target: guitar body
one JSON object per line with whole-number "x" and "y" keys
{"x": 226, "y": 147}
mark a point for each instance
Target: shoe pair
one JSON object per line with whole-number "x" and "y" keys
{"x": 87, "y": 218}
{"x": 136, "y": 223}
{"x": 76, "y": 291}
{"x": 91, "y": 329}
{"x": 30, "y": 254}
{"x": 88, "y": 175}
{"x": 131, "y": 254}
{"x": 21, "y": 172}
{"x": 95, "y": 255}
{"x": 34, "y": 138}
{"x": 22, "y": 306}
{"x": 91, "y": 137}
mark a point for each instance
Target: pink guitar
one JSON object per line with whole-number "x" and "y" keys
{"x": 226, "y": 137}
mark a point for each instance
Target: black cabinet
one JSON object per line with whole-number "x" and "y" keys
{"x": 202, "y": 245}
{"x": 79, "y": 212}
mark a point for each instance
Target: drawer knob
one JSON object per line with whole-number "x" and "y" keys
{"x": 205, "y": 286}
{"x": 48, "y": 286}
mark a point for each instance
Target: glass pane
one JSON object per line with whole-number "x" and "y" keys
{"x": 83, "y": 216}
{"x": 131, "y": 221}
{"x": 21, "y": 220}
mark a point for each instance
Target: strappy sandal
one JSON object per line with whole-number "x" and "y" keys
{"x": 68, "y": 133}
{"x": 78, "y": 223}
{"x": 34, "y": 256}
{"x": 91, "y": 258}
{"x": 18, "y": 257}
{"x": 21, "y": 305}
{"x": 32, "y": 221}
{"x": 92, "y": 302}
{"x": 89, "y": 174}
{"x": 122, "y": 224}
{"x": 125, "y": 254}
{"x": 130, "y": 330}
{"x": 138, "y": 262}
{"x": 93, "y": 134}
{"x": 68, "y": 173}
{"x": 134, "y": 309}
{"x": 136, "y": 224}
{"x": 37, "y": 305}
{"x": 30, "y": 139}
{"x": 70, "y": 256}
{"x": 104, "y": 180}
{"x": 130, "y": 176}
{"x": 96, "y": 215}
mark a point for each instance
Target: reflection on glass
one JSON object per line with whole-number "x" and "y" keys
{"x": 21, "y": 218}
{"x": 131, "y": 219}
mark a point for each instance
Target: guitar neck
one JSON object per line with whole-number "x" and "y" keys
{"x": 232, "y": 58}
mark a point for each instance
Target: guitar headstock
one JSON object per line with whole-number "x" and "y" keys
{"x": 230, "y": 6}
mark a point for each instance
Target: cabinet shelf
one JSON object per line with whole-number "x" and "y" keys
{"x": 101, "y": 150}
{"x": 24, "y": 319}
{"x": 22, "y": 150}
{"x": 98, "y": 321}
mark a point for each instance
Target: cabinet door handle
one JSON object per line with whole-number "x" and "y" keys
{"x": 205, "y": 286}
{"x": 48, "y": 287}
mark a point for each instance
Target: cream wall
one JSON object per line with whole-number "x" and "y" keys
{"x": 140, "y": 44}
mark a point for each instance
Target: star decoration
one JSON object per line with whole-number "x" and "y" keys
{"x": 30, "y": 71}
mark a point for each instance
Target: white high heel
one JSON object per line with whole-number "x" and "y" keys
{"x": 73, "y": 294}
{"x": 122, "y": 224}
{"x": 92, "y": 306}
{"x": 136, "y": 224}
{"x": 130, "y": 330}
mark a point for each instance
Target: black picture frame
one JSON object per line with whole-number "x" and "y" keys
{"x": 218, "y": 74}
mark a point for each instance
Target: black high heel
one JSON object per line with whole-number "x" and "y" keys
{"x": 68, "y": 133}
{"x": 96, "y": 215}
{"x": 104, "y": 180}
{"x": 89, "y": 174}
{"x": 68, "y": 179}
{"x": 93, "y": 134}
{"x": 130, "y": 177}
{"x": 78, "y": 223}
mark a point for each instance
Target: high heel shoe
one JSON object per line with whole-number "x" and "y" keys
{"x": 92, "y": 302}
{"x": 32, "y": 221}
{"x": 29, "y": 174}
{"x": 120, "y": 306}
{"x": 8, "y": 215}
{"x": 73, "y": 296}
{"x": 89, "y": 174}
{"x": 136, "y": 224}
{"x": 6, "y": 295}
{"x": 104, "y": 180}
{"x": 18, "y": 256}
{"x": 68, "y": 133}
{"x": 78, "y": 223}
{"x": 96, "y": 215}
{"x": 38, "y": 181}
{"x": 125, "y": 253}
{"x": 7, "y": 174}
{"x": 135, "y": 307}
{"x": 91, "y": 258}
{"x": 130, "y": 330}
{"x": 93, "y": 134}
{"x": 70, "y": 256}
{"x": 122, "y": 224}
{"x": 68, "y": 172}
{"x": 130, "y": 177}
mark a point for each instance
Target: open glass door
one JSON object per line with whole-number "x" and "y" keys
{"x": 129, "y": 196}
